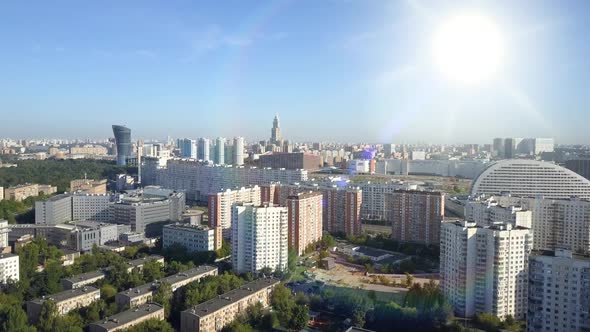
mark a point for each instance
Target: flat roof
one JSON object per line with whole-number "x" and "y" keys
{"x": 231, "y": 297}
{"x": 139, "y": 290}
{"x": 180, "y": 276}
{"x": 9, "y": 255}
{"x": 128, "y": 316}
{"x": 65, "y": 295}
{"x": 58, "y": 197}
{"x": 141, "y": 261}
{"x": 189, "y": 227}
{"x": 372, "y": 251}
{"x": 85, "y": 276}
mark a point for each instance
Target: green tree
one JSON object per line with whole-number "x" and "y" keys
{"x": 14, "y": 318}
{"x": 292, "y": 260}
{"x": 107, "y": 292}
{"x": 152, "y": 270}
{"x": 299, "y": 317}
{"x": 164, "y": 296}
{"x": 47, "y": 317}
{"x": 488, "y": 322}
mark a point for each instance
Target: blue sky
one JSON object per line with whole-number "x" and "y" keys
{"x": 339, "y": 70}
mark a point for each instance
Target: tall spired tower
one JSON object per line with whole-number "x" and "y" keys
{"x": 275, "y": 132}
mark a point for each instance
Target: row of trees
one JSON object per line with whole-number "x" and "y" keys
{"x": 381, "y": 241}
{"x": 59, "y": 172}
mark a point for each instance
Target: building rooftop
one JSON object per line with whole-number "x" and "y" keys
{"x": 65, "y": 295}
{"x": 85, "y": 276}
{"x": 188, "y": 274}
{"x": 232, "y": 296}
{"x": 127, "y": 316}
{"x": 57, "y": 197}
{"x": 3, "y": 256}
{"x": 139, "y": 290}
{"x": 188, "y": 227}
{"x": 141, "y": 261}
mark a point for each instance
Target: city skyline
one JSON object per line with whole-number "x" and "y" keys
{"x": 205, "y": 71}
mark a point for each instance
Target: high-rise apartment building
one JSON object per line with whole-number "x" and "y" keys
{"x": 203, "y": 149}
{"x": 559, "y": 292}
{"x": 259, "y": 237}
{"x": 556, "y": 223}
{"x": 188, "y": 148}
{"x": 580, "y": 166}
{"x": 123, "y": 143}
{"x": 219, "y": 155}
{"x": 416, "y": 215}
{"x": 305, "y": 220}
{"x": 238, "y": 151}
{"x": 220, "y": 209}
{"x": 275, "y": 132}
{"x": 485, "y": 269}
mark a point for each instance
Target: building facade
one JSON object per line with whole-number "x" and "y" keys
{"x": 295, "y": 160}
{"x": 9, "y": 268}
{"x": 416, "y": 215}
{"x": 559, "y": 292}
{"x": 65, "y": 301}
{"x": 193, "y": 238}
{"x": 128, "y": 318}
{"x": 220, "y": 209}
{"x": 217, "y": 313}
{"x": 54, "y": 210}
{"x": 485, "y": 269}
{"x": 259, "y": 237}
{"x": 122, "y": 143}
{"x": 305, "y": 220}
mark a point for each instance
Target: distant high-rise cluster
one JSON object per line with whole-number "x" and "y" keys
{"x": 508, "y": 148}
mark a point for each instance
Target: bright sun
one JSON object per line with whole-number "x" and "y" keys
{"x": 468, "y": 48}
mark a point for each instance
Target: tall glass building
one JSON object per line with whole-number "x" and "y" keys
{"x": 123, "y": 142}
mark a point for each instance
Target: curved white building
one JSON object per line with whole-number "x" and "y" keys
{"x": 530, "y": 178}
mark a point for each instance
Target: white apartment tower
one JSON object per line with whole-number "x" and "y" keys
{"x": 238, "y": 152}
{"x": 259, "y": 237}
{"x": 485, "y": 269}
{"x": 219, "y": 157}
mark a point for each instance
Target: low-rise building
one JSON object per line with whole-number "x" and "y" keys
{"x": 65, "y": 301}
{"x": 9, "y": 267}
{"x": 183, "y": 278}
{"x": 138, "y": 263}
{"x": 54, "y": 210}
{"x": 144, "y": 293}
{"x": 20, "y": 192}
{"x": 83, "y": 279}
{"x": 219, "y": 312}
{"x": 128, "y": 318}
{"x": 89, "y": 186}
{"x": 194, "y": 238}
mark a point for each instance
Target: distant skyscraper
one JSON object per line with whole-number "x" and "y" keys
{"x": 498, "y": 148}
{"x": 188, "y": 148}
{"x": 123, "y": 142}
{"x": 219, "y": 157}
{"x": 238, "y": 153}
{"x": 275, "y": 133}
{"x": 388, "y": 150}
{"x": 203, "y": 149}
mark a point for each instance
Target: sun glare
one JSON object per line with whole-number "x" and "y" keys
{"x": 468, "y": 48}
